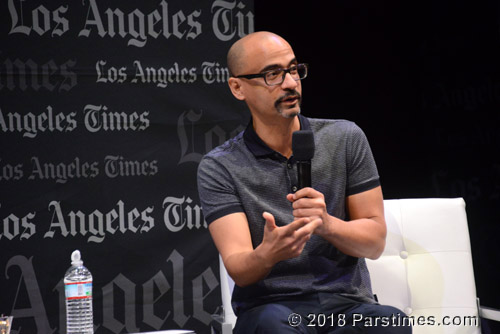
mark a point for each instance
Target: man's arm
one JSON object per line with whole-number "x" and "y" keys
{"x": 247, "y": 265}
{"x": 362, "y": 236}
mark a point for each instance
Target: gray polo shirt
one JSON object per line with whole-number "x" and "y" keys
{"x": 245, "y": 175}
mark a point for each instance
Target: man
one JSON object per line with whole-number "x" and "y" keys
{"x": 294, "y": 255}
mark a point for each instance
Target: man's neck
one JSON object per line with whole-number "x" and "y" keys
{"x": 277, "y": 134}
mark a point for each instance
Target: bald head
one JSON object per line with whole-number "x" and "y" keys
{"x": 246, "y": 47}
{"x": 252, "y": 60}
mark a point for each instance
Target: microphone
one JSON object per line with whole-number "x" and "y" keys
{"x": 303, "y": 152}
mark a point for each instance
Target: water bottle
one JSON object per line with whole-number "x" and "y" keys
{"x": 78, "y": 291}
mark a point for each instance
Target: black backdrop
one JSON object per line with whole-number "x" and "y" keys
{"x": 420, "y": 78}
{"x": 106, "y": 109}
{"x": 423, "y": 81}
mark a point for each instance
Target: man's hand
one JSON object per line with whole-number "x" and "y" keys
{"x": 285, "y": 242}
{"x": 309, "y": 203}
{"x": 247, "y": 265}
{"x": 362, "y": 236}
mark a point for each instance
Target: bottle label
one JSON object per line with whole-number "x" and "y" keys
{"x": 78, "y": 290}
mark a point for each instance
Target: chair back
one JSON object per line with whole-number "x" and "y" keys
{"x": 426, "y": 267}
{"x": 425, "y": 270}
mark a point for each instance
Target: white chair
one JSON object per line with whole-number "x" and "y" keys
{"x": 225, "y": 319}
{"x": 425, "y": 270}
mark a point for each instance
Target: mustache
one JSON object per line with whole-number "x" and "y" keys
{"x": 287, "y": 95}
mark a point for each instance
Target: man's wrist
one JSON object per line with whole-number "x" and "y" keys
{"x": 263, "y": 257}
{"x": 327, "y": 228}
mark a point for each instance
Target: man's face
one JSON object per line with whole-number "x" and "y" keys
{"x": 268, "y": 101}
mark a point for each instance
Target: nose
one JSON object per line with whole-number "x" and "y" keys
{"x": 289, "y": 82}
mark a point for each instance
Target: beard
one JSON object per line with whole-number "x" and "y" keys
{"x": 291, "y": 110}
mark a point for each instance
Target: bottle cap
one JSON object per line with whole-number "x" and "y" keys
{"x": 76, "y": 258}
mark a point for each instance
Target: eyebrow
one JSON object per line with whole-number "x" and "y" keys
{"x": 275, "y": 66}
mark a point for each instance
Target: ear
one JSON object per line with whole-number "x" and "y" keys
{"x": 236, "y": 88}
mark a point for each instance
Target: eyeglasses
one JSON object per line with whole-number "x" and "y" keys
{"x": 277, "y": 76}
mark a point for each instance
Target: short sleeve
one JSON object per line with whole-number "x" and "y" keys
{"x": 362, "y": 174}
{"x": 217, "y": 191}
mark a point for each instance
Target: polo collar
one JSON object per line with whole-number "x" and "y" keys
{"x": 257, "y": 145}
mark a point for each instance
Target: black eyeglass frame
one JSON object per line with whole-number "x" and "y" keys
{"x": 285, "y": 71}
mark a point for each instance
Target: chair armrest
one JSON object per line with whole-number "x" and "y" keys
{"x": 489, "y": 313}
{"x": 219, "y": 326}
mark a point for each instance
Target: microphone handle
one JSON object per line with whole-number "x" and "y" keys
{"x": 304, "y": 174}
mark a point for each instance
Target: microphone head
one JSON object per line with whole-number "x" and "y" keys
{"x": 303, "y": 145}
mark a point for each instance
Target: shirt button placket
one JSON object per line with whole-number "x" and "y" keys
{"x": 292, "y": 176}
